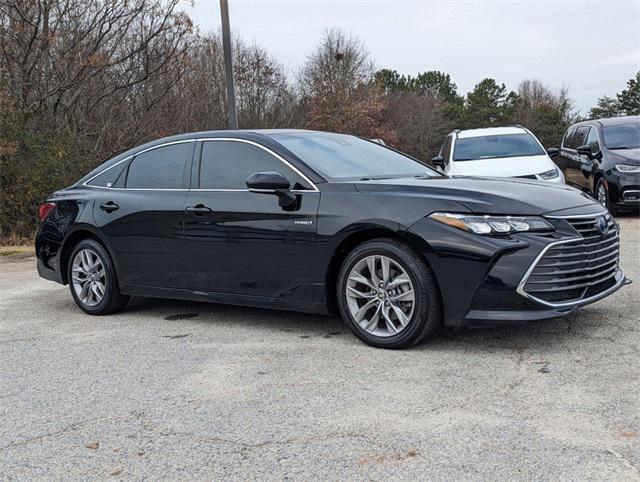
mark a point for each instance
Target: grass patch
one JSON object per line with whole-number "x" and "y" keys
{"x": 21, "y": 250}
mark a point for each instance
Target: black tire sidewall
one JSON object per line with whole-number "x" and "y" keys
{"x": 110, "y": 285}
{"x": 610, "y": 207}
{"x": 426, "y": 296}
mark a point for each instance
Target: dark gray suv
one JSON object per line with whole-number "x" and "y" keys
{"x": 602, "y": 157}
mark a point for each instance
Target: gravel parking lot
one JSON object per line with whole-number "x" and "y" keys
{"x": 182, "y": 390}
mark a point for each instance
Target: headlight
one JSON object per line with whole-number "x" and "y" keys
{"x": 552, "y": 174}
{"x": 627, "y": 169}
{"x": 480, "y": 224}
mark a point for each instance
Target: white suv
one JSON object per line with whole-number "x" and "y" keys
{"x": 497, "y": 152}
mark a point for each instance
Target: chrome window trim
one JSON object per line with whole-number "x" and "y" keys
{"x": 600, "y": 143}
{"x": 86, "y": 183}
{"x": 204, "y": 139}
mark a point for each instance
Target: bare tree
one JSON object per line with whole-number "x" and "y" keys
{"x": 338, "y": 91}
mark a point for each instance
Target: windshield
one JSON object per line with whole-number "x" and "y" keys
{"x": 491, "y": 147}
{"x": 344, "y": 158}
{"x": 623, "y": 136}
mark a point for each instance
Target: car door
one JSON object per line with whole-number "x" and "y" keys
{"x": 142, "y": 216}
{"x": 242, "y": 242}
{"x": 564, "y": 158}
{"x": 570, "y": 157}
{"x": 582, "y": 164}
{"x": 590, "y": 164}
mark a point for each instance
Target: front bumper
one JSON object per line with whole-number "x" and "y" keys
{"x": 624, "y": 189}
{"x": 481, "y": 278}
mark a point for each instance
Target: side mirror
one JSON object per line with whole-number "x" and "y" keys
{"x": 585, "y": 150}
{"x": 553, "y": 152}
{"x": 438, "y": 161}
{"x": 272, "y": 182}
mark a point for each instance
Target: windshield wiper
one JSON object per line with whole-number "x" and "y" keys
{"x": 373, "y": 178}
{"x": 619, "y": 147}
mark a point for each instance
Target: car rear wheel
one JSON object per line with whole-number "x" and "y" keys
{"x": 387, "y": 295}
{"x": 92, "y": 279}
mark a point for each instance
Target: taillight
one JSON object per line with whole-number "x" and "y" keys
{"x": 44, "y": 210}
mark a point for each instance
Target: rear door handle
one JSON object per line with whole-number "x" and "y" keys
{"x": 109, "y": 207}
{"x": 198, "y": 209}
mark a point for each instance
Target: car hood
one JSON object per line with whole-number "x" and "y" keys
{"x": 625, "y": 156}
{"x": 490, "y": 195}
{"x": 504, "y": 166}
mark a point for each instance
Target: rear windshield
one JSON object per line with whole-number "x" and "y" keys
{"x": 492, "y": 147}
{"x": 623, "y": 136}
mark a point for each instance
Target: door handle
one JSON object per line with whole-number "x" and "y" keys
{"x": 198, "y": 209}
{"x": 109, "y": 207}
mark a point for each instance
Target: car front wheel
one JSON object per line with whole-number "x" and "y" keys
{"x": 92, "y": 279}
{"x": 602, "y": 195}
{"x": 387, "y": 295}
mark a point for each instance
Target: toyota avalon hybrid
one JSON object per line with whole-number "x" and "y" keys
{"x": 321, "y": 222}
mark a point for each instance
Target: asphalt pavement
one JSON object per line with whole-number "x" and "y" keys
{"x": 183, "y": 390}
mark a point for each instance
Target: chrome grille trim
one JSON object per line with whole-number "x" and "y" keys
{"x": 564, "y": 272}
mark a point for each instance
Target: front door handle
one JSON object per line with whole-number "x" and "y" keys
{"x": 109, "y": 207}
{"x": 198, "y": 209}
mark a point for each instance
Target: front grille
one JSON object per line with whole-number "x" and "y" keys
{"x": 529, "y": 176}
{"x": 571, "y": 271}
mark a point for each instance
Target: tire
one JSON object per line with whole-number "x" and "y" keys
{"x": 83, "y": 270}
{"x": 601, "y": 187}
{"x": 422, "y": 316}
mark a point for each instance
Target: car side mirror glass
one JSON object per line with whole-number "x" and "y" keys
{"x": 272, "y": 182}
{"x": 438, "y": 161}
{"x": 553, "y": 152}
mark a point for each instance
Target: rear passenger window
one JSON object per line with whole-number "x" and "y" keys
{"x": 107, "y": 178}
{"x": 161, "y": 168}
{"x": 228, "y": 164}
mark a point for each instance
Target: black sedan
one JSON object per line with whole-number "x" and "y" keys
{"x": 322, "y": 222}
{"x": 602, "y": 157}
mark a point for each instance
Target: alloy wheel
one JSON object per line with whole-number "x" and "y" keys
{"x": 602, "y": 194}
{"x": 380, "y": 295}
{"x": 89, "y": 277}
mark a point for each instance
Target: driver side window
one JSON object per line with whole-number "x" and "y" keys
{"x": 228, "y": 164}
{"x": 592, "y": 141}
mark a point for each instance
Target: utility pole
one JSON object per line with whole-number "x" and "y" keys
{"x": 228, "y": 65}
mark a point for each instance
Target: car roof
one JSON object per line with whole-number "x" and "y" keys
{"x": 610, "y": 121}
{"x": 491, "y": 131}
{"x": 262, "y": 135}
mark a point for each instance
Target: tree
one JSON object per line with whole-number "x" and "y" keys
{"x": 629, "y": 98}
{"x": 433, "y": 82}
{"x": 544, "y": 111}
{"x": 420, "y": 120}
{"x": 337, "y": 89}
{"x": 84, "y": 78}
{"x": 487, "y": 105}
{"x": 606, "y": 107}
{"x": 420, "y": 109}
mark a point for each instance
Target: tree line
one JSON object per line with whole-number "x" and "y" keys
{"x": 81, "y": 80}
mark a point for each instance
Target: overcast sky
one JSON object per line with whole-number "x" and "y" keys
{"x": 592, "y": 47}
